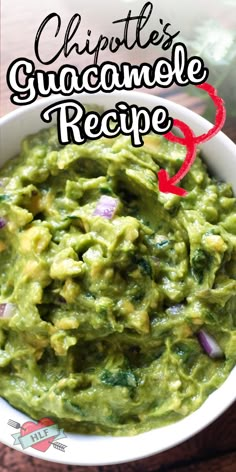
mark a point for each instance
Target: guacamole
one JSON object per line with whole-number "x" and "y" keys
{"x": 106, "y": 283}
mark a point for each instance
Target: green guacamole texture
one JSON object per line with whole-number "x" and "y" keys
{"x": 103, "y": 334}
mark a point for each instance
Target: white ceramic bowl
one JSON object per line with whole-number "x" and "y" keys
{"x": 220, "y": 156}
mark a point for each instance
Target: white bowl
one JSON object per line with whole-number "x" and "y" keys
{"x": 220, "y": 156}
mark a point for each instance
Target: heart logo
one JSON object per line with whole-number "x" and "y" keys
{"x": 31, "y": 427}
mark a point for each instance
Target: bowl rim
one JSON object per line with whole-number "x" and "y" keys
{"x": 126, "y": 448}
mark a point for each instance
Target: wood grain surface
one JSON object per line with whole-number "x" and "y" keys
{"x": 212, "y": 450}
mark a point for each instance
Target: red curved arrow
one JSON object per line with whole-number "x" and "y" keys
{"x": 167, "y": 184}
{"x": 220, "y": 113}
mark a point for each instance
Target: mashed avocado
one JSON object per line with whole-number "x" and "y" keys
{"x": 105, "y": 313}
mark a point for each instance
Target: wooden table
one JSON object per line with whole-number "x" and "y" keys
{"x": 212, "y": 450}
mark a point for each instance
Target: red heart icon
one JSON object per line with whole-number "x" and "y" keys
{"x": 30, "y": 427}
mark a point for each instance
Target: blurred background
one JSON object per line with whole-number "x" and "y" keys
{"x": 208, "y": 28}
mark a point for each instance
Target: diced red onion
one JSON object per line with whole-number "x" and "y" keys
{"x": 106, "y": 207}
{"x": 209, "y": 344}
{"x": 2, "y": 223}
{"x": 175, "y": 309}
{"x": 6, "y": 310}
